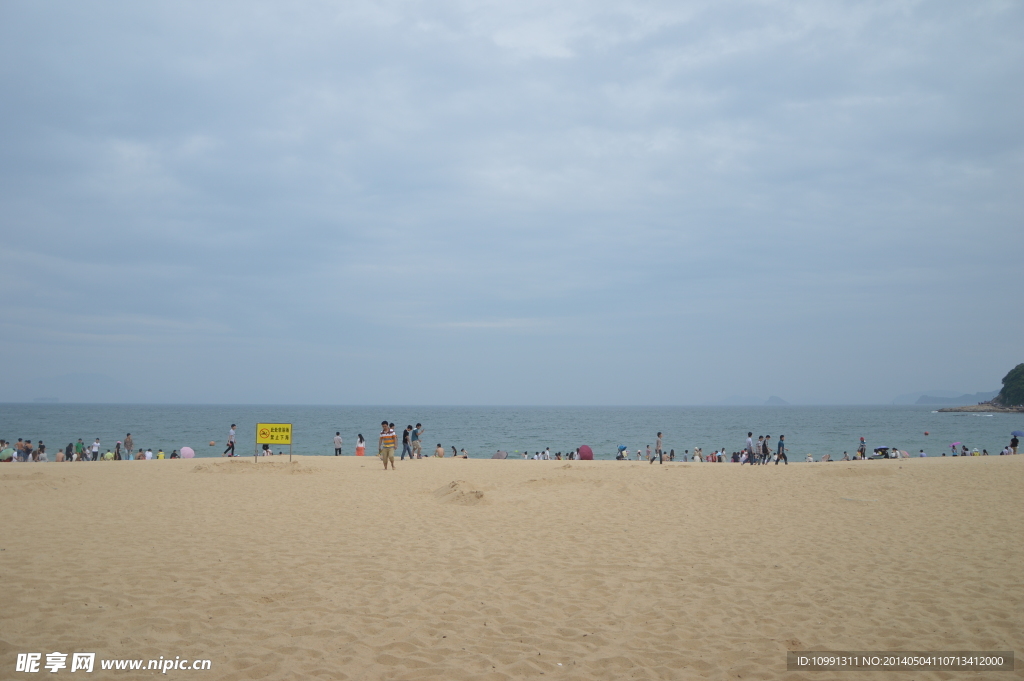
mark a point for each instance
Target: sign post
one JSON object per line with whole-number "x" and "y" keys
{"x": 276, "y": 434}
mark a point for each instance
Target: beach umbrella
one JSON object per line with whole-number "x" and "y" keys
{"x": 501, "y": 454}
{"x": 7, "y": 454}
{"x": 187, "y": 452}
{"x": 1018, "y": 433}
{"x": 955, "y": 444}
{"x": 586, "y": 453}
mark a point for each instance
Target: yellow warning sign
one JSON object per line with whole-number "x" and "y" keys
{"x": 273, "y": 433}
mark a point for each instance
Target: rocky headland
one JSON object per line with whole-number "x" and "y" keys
{"x": 989, "y": 407}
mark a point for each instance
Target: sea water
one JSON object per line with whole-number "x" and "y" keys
{"x": 481, "y": 431}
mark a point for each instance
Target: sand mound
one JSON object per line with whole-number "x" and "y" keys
{"x": 281, "y": 467}
{"x": 24, "y": 476}
{"x": 458, "y": 492}
{"x": 35, "y": 480}
{"x": 861, "y": 470}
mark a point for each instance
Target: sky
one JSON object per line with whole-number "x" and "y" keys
{"x": 530, "y": 203}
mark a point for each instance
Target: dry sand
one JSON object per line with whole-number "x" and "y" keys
{"x": 453, "y": 569}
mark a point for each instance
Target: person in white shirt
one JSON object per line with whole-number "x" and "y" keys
{"x": 95, "y": 449}
{"x": 149, "y": 454}
{"x": 231, "y": 442}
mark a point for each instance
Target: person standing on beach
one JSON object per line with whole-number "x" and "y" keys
{"x": 1013, "y": 444}
{"x": 750, "y": 448}
{"x": 231, "y": 442}
{"x": 128, "y": 444}
{"x": 406, "y": 449}
{"x": 337, "y": 443}
{"x": 96, "y": 449}
{"x": 360, "y": 445}
{"x": 386, "y": 444}
{"x": 766, "y": 450}
{"x": 657, "y": 449}
{"x": 417, "y": 445}
{"x": 862, "y": 449}
{"x": 782, "y": 451}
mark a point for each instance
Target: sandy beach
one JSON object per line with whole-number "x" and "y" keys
{"x": 477, "y": 569}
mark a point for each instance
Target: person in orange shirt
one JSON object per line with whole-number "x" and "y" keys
{"x": 386, "y": 444}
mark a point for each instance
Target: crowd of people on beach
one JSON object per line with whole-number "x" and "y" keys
{"x": 756, "y": 453}
{"x": 25, "y": 451}
{"x": 412, "y": 444}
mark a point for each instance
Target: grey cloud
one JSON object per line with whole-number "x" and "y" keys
{"x": 607, "y": 196}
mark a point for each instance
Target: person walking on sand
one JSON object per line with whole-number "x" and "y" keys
{"x": 386, "y": 444}
{"x": 231, "y": 442}
{"x": 782, "y": 451}
{"x": 337, "y": 443}
{"x": 406, "y": 442}
{"x": 417, "y": 444}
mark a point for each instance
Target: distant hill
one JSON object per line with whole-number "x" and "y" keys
{"x": 962, "y": 399}
{"x": 742, "y": 400}
{"x": 748, "y": 401}
{"x": 1013, "y": 387}
{"x": 912, "y": 398}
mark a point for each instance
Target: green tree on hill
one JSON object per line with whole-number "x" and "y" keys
{"x": 1013, "y": 388}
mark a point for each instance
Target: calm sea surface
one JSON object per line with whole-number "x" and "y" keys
{"x": 484, "y": 430}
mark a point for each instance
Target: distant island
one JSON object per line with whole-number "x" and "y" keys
{"x": 747, "y": 401}
{"x": 1009, "y": 399}
{"x": 976, "y": 398}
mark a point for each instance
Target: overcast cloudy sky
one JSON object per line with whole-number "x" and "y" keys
{"x": 510, "y": 203}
